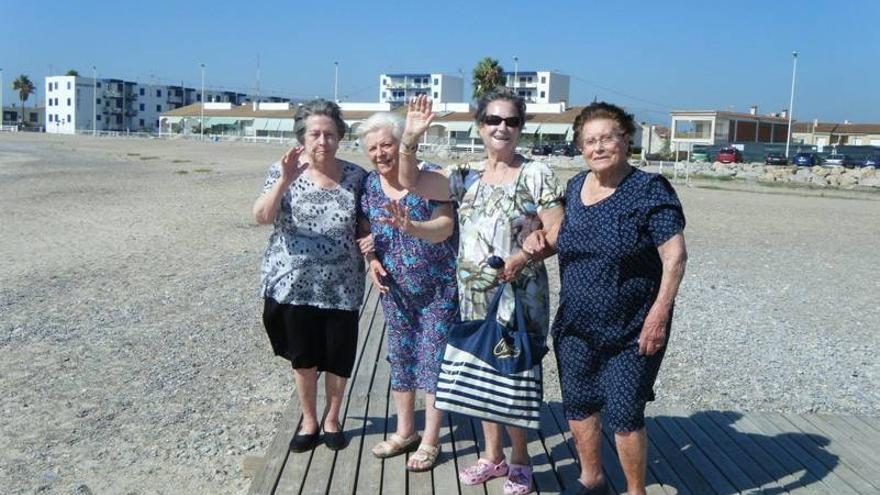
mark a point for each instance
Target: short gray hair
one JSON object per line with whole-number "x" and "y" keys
{"x": 501, "y": 94}
{"x": 319, "y": 106}
{"x": 381, "y": 120}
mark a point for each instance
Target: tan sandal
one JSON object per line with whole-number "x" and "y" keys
{"x": 396, "y": 445}
{"x": 426, "y": 455}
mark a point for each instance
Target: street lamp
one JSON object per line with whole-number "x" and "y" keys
{"x": 94, "y": 101}
{"x": 202, "y": 110}
{"x": 335, "y": 82}
{"x": 515, "y": 71}
{"x": 1, "y": 97}
{"x": 791, "y": 101}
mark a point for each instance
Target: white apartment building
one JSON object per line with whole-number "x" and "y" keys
{"x": 441, "y": 88}
{"x": 539, "y": 86}
{"x": 75, "y": 103}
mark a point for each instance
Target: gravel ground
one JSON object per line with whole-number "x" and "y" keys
{"x": 132, "y": 359}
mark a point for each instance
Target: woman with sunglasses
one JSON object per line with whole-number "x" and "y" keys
{"x": 501, "y": 200}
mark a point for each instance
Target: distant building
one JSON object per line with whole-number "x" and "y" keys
{"x": 399, "y": 88}
{"x": 539, "y": 86}
{"x": 823, "y": 134}
{"x": 655, "y": 139}
{"x": 33, "y": 116}
{"x": 71, "y": 103}
{"x": 717, "y": 127}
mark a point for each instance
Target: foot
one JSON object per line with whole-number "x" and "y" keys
{"x": 424, "y": 458}
{"x": 303, "y": 442}
{"x": 396, "y": 445}
{"x": 519, "y": 480}
{"x": 483, "y": 471}
{"x": 580, "y": 487}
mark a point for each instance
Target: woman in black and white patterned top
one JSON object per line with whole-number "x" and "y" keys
{"x": 312, "y": 271}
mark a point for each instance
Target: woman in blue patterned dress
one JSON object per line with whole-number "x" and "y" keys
{"x": 501, "y": 200}
{"x": 621, "y": 259}
{"x": 413, "y": 266}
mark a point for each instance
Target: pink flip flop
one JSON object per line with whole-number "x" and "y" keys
{"x": 483, "y": 471}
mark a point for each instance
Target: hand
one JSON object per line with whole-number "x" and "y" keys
{"x": 365, "y": 244}
{"x": 377, "y": 273}
{"x": 653, "y": 336}
{"x": 398, "y": 217}
{"x": 512, "y": 266}
{"x": 291, "y": 167}
{"x": 418, "y": 118}
{"x": 535, "y": 243}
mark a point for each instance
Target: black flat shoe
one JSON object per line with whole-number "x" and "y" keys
{"x": 304, "y": 443}
{"x": 335, "y": 440}
{"x": 579, "y": 489}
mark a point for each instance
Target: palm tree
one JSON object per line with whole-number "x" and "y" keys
{"x": 72, "y": 72}
{"x": 25, "y": 88}
{"x": 487, "y": 75}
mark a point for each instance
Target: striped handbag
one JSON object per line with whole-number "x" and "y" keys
{"x": 491, "y": 371}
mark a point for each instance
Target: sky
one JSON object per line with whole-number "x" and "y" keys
{"x": 649, "y": 57}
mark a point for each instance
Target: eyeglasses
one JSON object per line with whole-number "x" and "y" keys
{"x": 496, "y": 120}
{"x": 603, "y": 140}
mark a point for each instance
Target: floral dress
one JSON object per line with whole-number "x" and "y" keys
{"x": 495, "y": 220}
{"x": 421, "y": 303}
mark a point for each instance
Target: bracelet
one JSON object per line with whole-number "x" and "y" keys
{"x": 403, "y": 150}
{"x": 408, "y": 148}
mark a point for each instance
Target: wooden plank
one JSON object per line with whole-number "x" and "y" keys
{"x": 818, "y": 446}
{"x": 444, "y": 475}
{"x": 846, "y": 443}
{"x": 861, "y": 424}
{"x": 726, "y": 440}
{"x": 394, "y": 477}
{"x": 556, "y": 443}
{"x": 796, "y": 479}
{"x": 544, "y": 477}
{"x": 652, "y": 485}
{"x": 786, "y": 438}
{"x": 355, "y": 418}
{"x": 369, "y": 475}
{"x": 675, "y": 427}
{"x": 276, "y": 454}
{"x": 676, "y": 460}
{"x": 709, "y": 446}
{"x": 467, "y": 451}
{"x": 872, "y": 421}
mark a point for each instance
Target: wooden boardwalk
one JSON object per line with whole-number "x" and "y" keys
{"x": 690, "y": 452}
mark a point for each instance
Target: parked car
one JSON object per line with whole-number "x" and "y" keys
{"x": 565, "y": 149}
{"x": 541, "y": 149}
{"x": 775, "y": 159}
{"x": 728, "y": 155}
{"x": 806, "y": 159}
{"x": 840, "y": 159}
{"x": 870, "y": 161}
{"x": 700, "y": 156}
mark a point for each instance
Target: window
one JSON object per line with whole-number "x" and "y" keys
{"x": 199, "y": 97}
{"x": 68, "y": 102}
{"x": 436, "y": 95}
{"x": 68, "y": 117}
{"x": 142, "y": 122}
{"x": 543, "y": 79}
{"x": 384, "y": 95}
{"x": 141, "y": 107}
{"x": 99, "y": 85}
{"x": 141, "y": 91}
{"x": 97, "y": 101}
{"x": 34, "y": 117}
{"x": 384, "y": 82}
{"x": 50, "y": 88}
{"x": 68, "y": 84}
{"x": 99, "y": 117}
{"x": 436, "y": 81}
{"x": 56, "y": 118}
{"x": 158, "y": 93}
{"x": 50, "y": 117}
{"x": 158, "y": 108}
{"x": 56, "y": 101}
{"x": 543, "y": 94}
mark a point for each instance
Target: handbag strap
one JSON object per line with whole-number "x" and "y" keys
{"x": 519, "y": 315}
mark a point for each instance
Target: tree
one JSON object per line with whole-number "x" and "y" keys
{"x": 25, "y": 88}
{"x": 487, "y": 75}
{"x": 72, "y": 72}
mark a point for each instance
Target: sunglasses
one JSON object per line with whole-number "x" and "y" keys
{"x": 496, "y": 120}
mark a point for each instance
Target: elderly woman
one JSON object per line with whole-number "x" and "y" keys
{"x": 501, "y": 200}
{"x": 621, "y": 260}
{"x": 413, "y": 267}
{"x": 312, "y": 272}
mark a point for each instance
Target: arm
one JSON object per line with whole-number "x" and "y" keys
{"x": 427, "y": 184}
{"x": 435, "y": 230}
{"x": 673, "y": 256}
{"x": 550, "y": 220}
{"x": 265, "y": 208}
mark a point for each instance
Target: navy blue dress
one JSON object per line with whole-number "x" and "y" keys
{"x": 610, "y": 273}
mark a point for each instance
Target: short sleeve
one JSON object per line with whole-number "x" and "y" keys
{"x": 461, "y": 177}
{"x": 272, "y": 176}
{"x": 543, "y": 185}
{"x": 364, "y": 196}
{"x": 665, "y": 217}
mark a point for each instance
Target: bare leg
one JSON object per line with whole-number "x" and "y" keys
{"x": 588, "y": 441}
{"x": 433, "y": 419}
{"x": 306, "y": 380}
{"x": 519, "y": 453}
{"x": 404, "y": 401}
{"x": 334, "y": 387}
{"x": 632, "y": 447}
{"x": 492, "y": 435}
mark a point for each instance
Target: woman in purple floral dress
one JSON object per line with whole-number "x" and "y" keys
{"x": 413, "y": 266}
